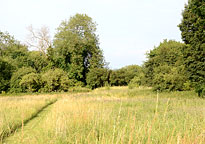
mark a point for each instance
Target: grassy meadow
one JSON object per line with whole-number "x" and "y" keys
{"x": 105, "y": 115}
{"x": 17, "y": 110}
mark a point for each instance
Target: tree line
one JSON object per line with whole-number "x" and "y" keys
{"x": 74, "y": 59}
{"x": 181, "y": 66}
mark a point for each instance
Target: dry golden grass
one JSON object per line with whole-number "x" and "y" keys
{"x": 119, "y": 115}
{"x": 17, "y": 110}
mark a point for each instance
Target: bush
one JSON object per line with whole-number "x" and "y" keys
{"x": 17, "y": 77}
{"x": 169, "y": 78}
{"x": 55, "y": 80}
{"x": 134, "y": 83}
{"x": 31, "y": 82}
{"x": 97, "y": 77}
{"x": 165, "y": 69}
{"x": 200, "y": 90}
{"x": 37, "y": 61}
{"x": 123, "y": 76}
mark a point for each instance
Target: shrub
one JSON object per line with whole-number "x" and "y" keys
{"x": 135, "y": 82}
{"x": 97, "y": 77}
{"x": 124, "y": 75}
{"x": 169, "y": 78}
{"x": 165, "y": 69}
{"x": 31, "y": 82}
{"x": 55, "y": 80}
{"x": 17, "y": 77}
{"x": 200, "y": 90}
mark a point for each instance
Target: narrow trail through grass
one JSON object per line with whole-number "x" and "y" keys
{"x": 117, "y": 115}
{"x": 29, "y": 126}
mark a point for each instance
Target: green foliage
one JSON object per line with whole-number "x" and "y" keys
{"x": 118, "y": 77}
{"x": 192, "y": 31}
{"x": 75, "y": 53}
{"x": 164, "y": 69}
{"x": 31, "y": 82}
{"x": 17, "y": 78}
{"x": 7, "y": 43}
{"x": 200, "y": 89}
{"x": 131, "y": 71}
{"x": 55, "y": 80}
{"x": 134, "y": 83}
{"x": 37, "y": 60}
{"x": 169, "y": 78}
{"x": 123, "y": 76}
{"x": 76, "y": 48}
{"x": 5, "y": 75}
{"x": 12, "y": 50}
{"x": 192, "y": 25}
{"x": 97, "y": 77}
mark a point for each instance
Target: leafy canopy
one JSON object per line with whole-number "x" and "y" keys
{"x": 76, "y": 47}
{"x": 192, "y": 29}
{"x": 164, "y": 69}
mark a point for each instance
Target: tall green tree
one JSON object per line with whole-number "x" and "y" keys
{"x": 164, "y": 69}
{"x": 12, "y": 50}
{"x": 38, "y": 61}
{"x": 76, "y": 48}
{"x": 12, "y": 56}
{"x": 192, "y": 29}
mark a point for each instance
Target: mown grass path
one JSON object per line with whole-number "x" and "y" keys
{"x": 117, "y": 115}
{"x": 28, "y": 128}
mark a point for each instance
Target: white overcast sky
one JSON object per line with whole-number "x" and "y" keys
{"x": 127, "y": 28}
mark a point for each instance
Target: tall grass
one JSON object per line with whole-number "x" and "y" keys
{"x": 15, "y": 111}
{"x": 120, "y": 115}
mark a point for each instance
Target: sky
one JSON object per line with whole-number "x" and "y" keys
{"x": 127, "y": 29}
